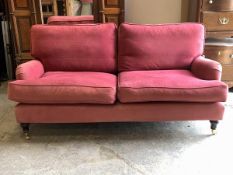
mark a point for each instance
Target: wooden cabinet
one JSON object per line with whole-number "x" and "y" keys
{"x": 110, "y": 11}
{"x": 217, "y": 16}
{"x": 223, "y": 53}
{"x": 218, "y": 21}
{"x": 48, "y": 8}
{"x": 23, "y": 14}
{"x": 217, "y": 5}
{"x": 56, "y": 8}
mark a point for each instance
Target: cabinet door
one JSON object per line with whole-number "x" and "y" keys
{"x": 23, "y": 16}
{"x": 111, "y": 11}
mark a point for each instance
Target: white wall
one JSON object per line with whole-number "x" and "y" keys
{"x": 153, "y": 11}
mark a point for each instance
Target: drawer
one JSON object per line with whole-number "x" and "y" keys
{"x": 218, "y": 21}
{"x": 227, "y": 73}
{"x": 222, "y": 54}
{"x": 220, "y": 35}
{"x": 217, "y": 5}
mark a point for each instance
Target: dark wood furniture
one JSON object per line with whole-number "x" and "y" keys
{"x": 217, "y": 16}
{"x": 109, "y": 11}
{"x": 23, "y": 14}
{"x": 48, "y": 8}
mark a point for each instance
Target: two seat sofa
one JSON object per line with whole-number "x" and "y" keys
{"x": 98, "y": 73}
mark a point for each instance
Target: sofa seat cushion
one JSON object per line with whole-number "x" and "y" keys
{"x": 66, "y": 87}
{"x": 168, "y": 85}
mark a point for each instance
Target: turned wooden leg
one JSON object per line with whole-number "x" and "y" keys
{"x": 25, "y": 127}
{"x": 213, "y": 126}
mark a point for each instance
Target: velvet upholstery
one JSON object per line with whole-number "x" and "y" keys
{"x": 65, "y": 87}
{"x": 168, "y": 85}
{"x": 206, "y": 69}
{"x": 154, "y": 47}
{"x": 89, "y": 47}
{"x": 30, "y": 70}
{"x": 129, "y": 112}
{"x": 70, "y": 20}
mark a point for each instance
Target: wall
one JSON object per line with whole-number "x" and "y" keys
{"x": 156, "y": 11}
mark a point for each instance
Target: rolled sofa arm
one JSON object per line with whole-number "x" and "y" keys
{"x": 30, "y": 70}
{"x": 206, "y": 69}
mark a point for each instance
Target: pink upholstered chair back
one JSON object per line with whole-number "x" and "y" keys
{"x": 154, "y": 47}
{"x": 70, "y": 20}
{"x": 89, "y": 47}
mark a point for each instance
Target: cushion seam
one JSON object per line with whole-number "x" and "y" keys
{"x": 167, "y": 88}
{"x": 61, "y": 85}
{"x": 62, "y": 101}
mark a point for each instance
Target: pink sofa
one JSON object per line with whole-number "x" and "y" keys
{"x": 155, "y": 73}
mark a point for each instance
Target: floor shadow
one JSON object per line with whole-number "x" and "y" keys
{"x": 164, "y": 132}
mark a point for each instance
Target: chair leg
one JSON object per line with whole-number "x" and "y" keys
{"x": 213, "y": 127}
{"x": 25, "y": 127}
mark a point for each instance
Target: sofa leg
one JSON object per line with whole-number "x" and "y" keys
{"x": 213, "y": 127}
{"x": 25, "y": 127}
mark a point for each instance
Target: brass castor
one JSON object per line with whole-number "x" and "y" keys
{"x": 25, "y": 127}
{"x": 27, "y": 136}
{"x": 213, "y": 127}
{"x": 214, "y": 131}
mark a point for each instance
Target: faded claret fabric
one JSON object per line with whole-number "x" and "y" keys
{"x": 70, "y": 20}
{"x": 89, "y": 47}
{"x": 155, "y": 47}
{"x": 92, "y": 73}
{"x": 30, "y": 70}
{"x": 206, "y": 69}
{"x": 138, "y": 112}
{"x": 65, "y": 87}
{"x": 168, "y": 85}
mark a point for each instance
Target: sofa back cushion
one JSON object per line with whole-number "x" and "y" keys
{"x": 89, "y": 47}
{"x": 154, "y": 47}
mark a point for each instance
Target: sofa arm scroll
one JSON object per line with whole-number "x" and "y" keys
{"x": 30, "y": 70}
{"x": 206, "y": 69}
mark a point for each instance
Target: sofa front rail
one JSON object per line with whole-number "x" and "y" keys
{"x": 135, "y": 112}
